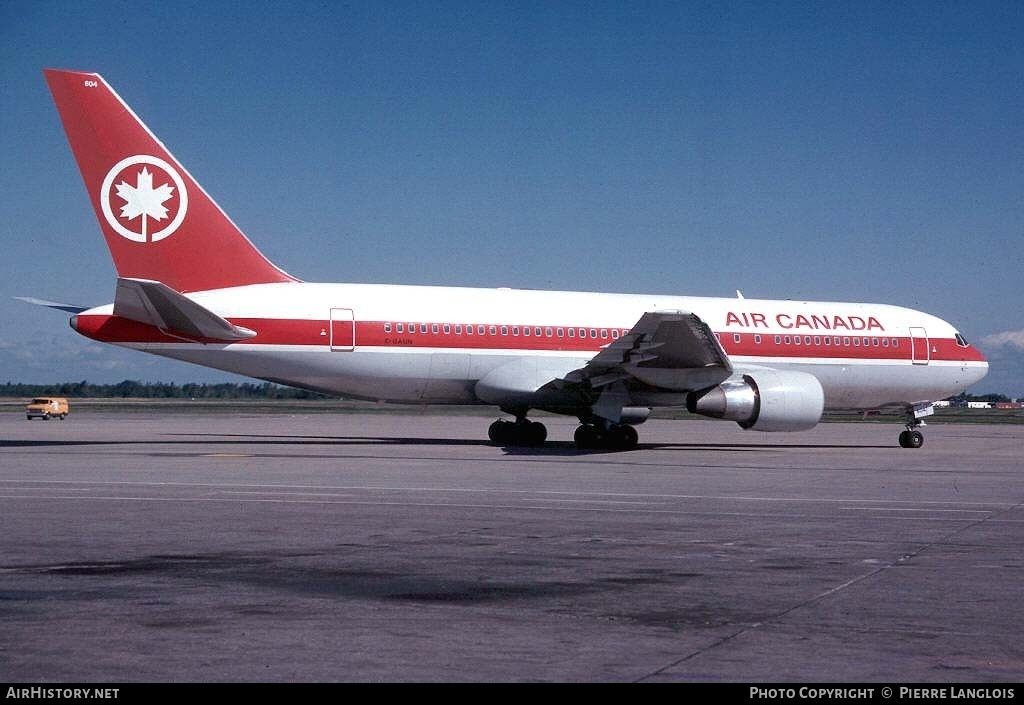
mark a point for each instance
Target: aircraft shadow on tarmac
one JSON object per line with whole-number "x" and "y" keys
{"x": 550, "y": 448}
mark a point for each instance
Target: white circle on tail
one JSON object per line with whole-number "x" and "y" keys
{"x": 143, "y": 212}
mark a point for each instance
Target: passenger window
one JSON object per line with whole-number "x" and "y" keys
{"x": 828, "y": 341}
{"x": 615, "y": 334}
{"x": 526, "y": 330}
{"x": 400, "y": 328}
{"x": 895, "y": 342}
{"x": 604, "y": 334}
{"x": 481, "y": 330}
{"x": 560, "y": 332}
{"x": 846, "y": 342}
{"x": 885, "y": 342}
{"x": 423, "y": 327}
{"x": 434, "y": 328}
{"x": 458, "y": 329}
{"x": 817, "y": 340}
{"x": 536, "y": 331}
{"x": 572, "y": 332}
{"x": 387, "y": 327}
{"x": 807, "y": 340}
{"x": 856, "y": 342}
{"x": 493, "y": 330}
{"x": 757, "y": 339}
{"x": 469, "y": 330}
{"x": 736, "y": 337}
{"x": 515, "y": 330}
{"x": 504, "y": 330}
{"x": 796, "y": 340}
{"x": 548, "y": 332}
{"x": 778, "y": 340}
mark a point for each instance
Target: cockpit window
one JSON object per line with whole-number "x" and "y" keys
{"x": 961, "y": 341}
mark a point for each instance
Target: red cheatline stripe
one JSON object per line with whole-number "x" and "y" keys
{"x": 277, "y": 331}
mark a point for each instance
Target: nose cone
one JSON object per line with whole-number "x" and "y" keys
{"x": 73, "y": 322}
{"x": 975, "y": 366}
{"x": 979, "y": 370}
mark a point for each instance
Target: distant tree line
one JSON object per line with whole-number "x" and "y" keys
{"x": 962, "y": 399}
{"x": 158, "y": 390}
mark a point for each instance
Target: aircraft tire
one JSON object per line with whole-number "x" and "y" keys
{"x": 535, "y": 433}
{"x": 911, "y": 439}
{"x": 499, "y": 432}
{"x": 509, "y": 433}
{"x": 587, "y": 436}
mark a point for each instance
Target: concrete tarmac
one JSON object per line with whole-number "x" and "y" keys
{"x": 366, "y": 547}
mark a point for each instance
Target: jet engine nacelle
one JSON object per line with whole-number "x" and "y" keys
{"x": 765, "y": 400}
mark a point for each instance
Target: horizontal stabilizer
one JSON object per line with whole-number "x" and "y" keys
{"x": 156, "y": 304}
{"x": 52, "y": 304}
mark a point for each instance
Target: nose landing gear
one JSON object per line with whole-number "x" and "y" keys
{"x": 912, "y": 437}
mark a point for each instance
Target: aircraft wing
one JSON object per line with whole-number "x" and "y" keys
{"x": 668, "y": 350}
{"x": 156, "y": 304}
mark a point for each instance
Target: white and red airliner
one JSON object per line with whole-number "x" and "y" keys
{"x": 192, "y": 287}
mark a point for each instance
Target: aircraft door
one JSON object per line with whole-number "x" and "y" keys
{"x": 920, "y": 350}
{"x": 343, "y": 330}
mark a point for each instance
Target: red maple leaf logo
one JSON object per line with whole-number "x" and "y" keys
{"x": 144, "y": 200}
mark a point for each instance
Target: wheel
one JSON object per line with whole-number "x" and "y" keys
{"x": 504, "y": 433}
{"x": 63, "y": 416}
{"x": 621, "y": 437}
{"x": 911, "y": 439}
{"x": 535, "y": 433}
{"x": 631, "y": 438}
{"x": 46, "y": 417}
{"x": 499, "y": 432}
{"x": 587, "y": 436}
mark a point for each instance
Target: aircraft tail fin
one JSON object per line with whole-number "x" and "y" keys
{"x": 158, "y": 221}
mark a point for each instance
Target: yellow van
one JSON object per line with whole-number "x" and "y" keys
{"x": 47, "y": 408}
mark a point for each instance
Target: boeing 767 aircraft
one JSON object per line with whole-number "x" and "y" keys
{"x": 192, "y": 287}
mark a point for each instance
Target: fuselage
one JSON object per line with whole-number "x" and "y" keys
{"x": 432, "y": 344}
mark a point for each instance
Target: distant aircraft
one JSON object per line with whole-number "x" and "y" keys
{"x": 192, "y": 287}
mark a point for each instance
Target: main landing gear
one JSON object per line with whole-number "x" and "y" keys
{"x": 520, "y": 432}
{"x": 612, "y": 436}
{"x": 523, "y": 432}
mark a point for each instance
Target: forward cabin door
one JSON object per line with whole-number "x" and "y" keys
{"x": 343, "y": 330}
{"x": 920, "y": 350}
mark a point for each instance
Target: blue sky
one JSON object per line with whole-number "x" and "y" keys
{"x": 855, "y": 151}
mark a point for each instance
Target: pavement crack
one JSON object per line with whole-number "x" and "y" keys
{"x": 901, "y": 560}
